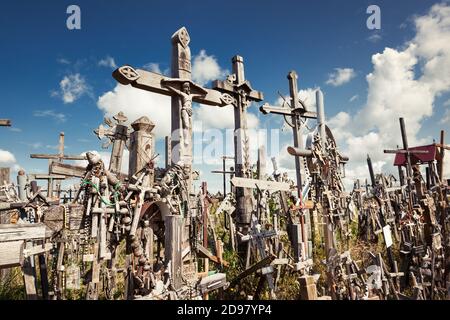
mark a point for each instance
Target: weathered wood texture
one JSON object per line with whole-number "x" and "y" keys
{"x": 11, "y": 254}
{"x": 4, "y": 176}
{"x": 173, "y": 238}
{"x": 13, "y": 232}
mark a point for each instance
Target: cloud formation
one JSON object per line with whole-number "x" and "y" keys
{"x": 72, "y": 87}
{"x": 404, "y": 83}
{"x": 108, "y": 62}
{"x": 56, "y": 116}
{"x": 340, "y": 76}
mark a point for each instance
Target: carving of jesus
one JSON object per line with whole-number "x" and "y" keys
{"x": 186, "y": 108}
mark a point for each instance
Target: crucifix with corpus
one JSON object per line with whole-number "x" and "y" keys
{"x": 183, "y": 92}
{"x": 59, "y": 157}
{"x": 295, "y": 110}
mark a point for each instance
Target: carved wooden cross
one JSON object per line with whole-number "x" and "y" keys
{"x": 295, "y": 110}
{"x": 182, "y": 91}
{"x": 118, "y": 135}
{"x": 59, "y": 157}
{"x": 243, "y": 94}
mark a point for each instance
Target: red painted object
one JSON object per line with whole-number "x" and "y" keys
{"x": 418, "y": 158}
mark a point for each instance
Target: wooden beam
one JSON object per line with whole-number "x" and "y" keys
{"x": 153, "y": 82}
{"x": 11, "y": 254}
{"x": 260, "y": 184}
{"x": 57, "y": 157}
{"x": 253, "y": 268}
{"x": 13, "y": 232}
{"x": 204, "y": 253}
{"x": 5, "y": 123}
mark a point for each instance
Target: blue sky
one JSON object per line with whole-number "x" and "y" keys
{"x": 274, "y": 37}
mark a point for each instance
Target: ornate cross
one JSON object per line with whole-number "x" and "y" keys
{"x": 117, "y": 135}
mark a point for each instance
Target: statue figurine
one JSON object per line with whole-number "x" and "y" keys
{"x": 186, "y": 108}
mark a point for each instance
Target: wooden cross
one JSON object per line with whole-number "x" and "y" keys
{"x": 183, "y": 92}
{"x": 224, "y": 172}
{"x": 243, "y": 94}
{"x": 118, "y": 136}
{"x": 257, "y": 236}
{"x": 295, "y": 110}
{"x": 59, "y": 157}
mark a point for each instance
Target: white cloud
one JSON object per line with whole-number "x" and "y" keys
{"x": 15, "y": 129}
{"x": 72, "y": 87}
{"x": 221, "y": 117}
{"x": 446, "y": 118}
{"x": 108, "y": 62}
{"x": 374, "y": 37}
{"x": 340, "y": 76}
{"x": 135, "y": 103}
{"x": 63, "y": 61}
{"x": 57, "y": 116}
{"x": 205, "y": 68}
{"x": 353, "y": 98}
{"x": 6, "y": 157}
{"x": 153, "y": 67}
{"x": 404, "y": 83}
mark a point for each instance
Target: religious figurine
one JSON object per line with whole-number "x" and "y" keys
{"x": 186, "y": 108}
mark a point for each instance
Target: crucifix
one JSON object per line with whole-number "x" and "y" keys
{"x": 224, "y": 172}
{"x": 59, "y": 157}
{"x": 295, "y": 110}
{"x": 240, "y": 89}
{"x": 183, "y": 92}
{"x": 118, "y": 135}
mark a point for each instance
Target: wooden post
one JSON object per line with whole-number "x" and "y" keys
{"x": 168, "y": 153}
{"x": 173, "y": 249}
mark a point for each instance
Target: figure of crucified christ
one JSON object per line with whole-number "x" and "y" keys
{"x": 186, "y": 108}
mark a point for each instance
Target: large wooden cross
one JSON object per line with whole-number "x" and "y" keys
{"x": 183, "y": 92}
{"x": 295, "y": 110}
{"x": 243, "y": 94}
{"x": 59, "y": 157}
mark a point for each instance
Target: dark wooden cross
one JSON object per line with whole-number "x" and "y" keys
{"x": 224, "y": 172}
{"x": 59, "y": 157}
{"x": 295, "y": 111}
{"x": 243, "y": 94}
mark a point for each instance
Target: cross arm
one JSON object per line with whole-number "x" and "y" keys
{"x": 5, "y": 123}
{"x": 232, "y": 89}
{"x": 406, "y": 151}
{"x": 266, "y": 109}
{"x": 57, "y": 157}
{"x": 155, "y": 82}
